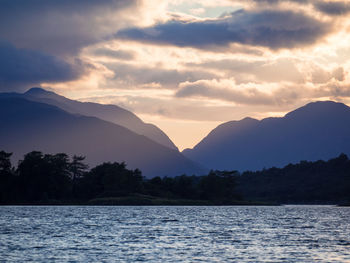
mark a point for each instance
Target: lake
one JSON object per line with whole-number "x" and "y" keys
{"x": 174, "y": 234}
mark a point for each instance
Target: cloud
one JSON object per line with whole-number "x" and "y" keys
{"x": 273, "y": 70}
{"x": 227, "y": 90}
{"x": 256, "y": 70}
{"x": 22, "y": 68}
{"x": 61, "y": 27}
{"x": 333, "y": 8}
{"x": 334, "y": 89}
{"x": 321, "y": 76}
{"x": 111, "y": 53}
{"x": 274, "y": 29}
{"x": 47, "y": 37}
{"x": 171, "y": 108}
{"x": 134, "y": 76}
{"x": 280, "y": 1}
{"x": 328, "y": 7}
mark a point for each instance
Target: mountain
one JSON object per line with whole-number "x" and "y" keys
{"x": 111, "y": 113}
{"x": 319, "y": 130}
{"x": 28, "y": 125}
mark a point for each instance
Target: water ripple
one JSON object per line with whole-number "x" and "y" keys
{"x": 174, "y": 234}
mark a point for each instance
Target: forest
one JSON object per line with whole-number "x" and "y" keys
{"x": 60, "y": 179}
{"x": 318, "y": 182}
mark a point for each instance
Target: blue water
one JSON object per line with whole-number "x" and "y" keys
{"x": 175, "y": 234}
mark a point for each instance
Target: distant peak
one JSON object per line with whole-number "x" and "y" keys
{"x": 36, "y": 90}
{"x": 319, "y": 107}
{"x": 40, "y": 92}
{"x": 248, "y": 119}
{"x": 325, "y": 103}
{"x": 329, "y": 103}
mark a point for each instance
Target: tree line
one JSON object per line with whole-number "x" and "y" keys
{"x": 58, "y": 178}
{"x": 318, "y": 182}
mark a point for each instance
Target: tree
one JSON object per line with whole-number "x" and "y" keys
{"x": 113, "y": 179}
{"x": 219, "y": 186}
{"x": 7, "y": 179}
{"x": 77, "y": 167}
{"x": 5, "y": 162}
{"x": 57, "y": 171}
{"x": 184, "y": 187}
{"x": 43, "y": 177}
{"x": 30, "y": 171}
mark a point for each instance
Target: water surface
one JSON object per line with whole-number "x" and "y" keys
{"x": 174, "y": 234}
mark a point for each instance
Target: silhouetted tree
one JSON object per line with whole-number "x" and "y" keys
{"x": 31, "y": 172}
{"x": 59, "y": 176}
{"x": 5, "y": 162}
{"x": 7, "y": 179}
{"x": 43, "y": 177}
{"x": 219, "y": 186}
{"x": 113, "y": 179}
{"x": 77, "y": 169}
{"x": 185, "y": 187}
{"x": 304, "y": 182}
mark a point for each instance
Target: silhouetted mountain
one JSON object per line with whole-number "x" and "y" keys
{"x": 319, "y": 130}
{"x": 111, "y": 113}
{"x": 27, "y": 125}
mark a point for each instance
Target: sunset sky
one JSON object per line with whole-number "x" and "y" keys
{"x": 185, "y": 66}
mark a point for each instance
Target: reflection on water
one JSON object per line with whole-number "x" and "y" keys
{"x": 174, "y": 234}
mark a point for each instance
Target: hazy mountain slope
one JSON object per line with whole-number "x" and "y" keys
{"x": 110, "y": 113}
{"x": 319, "y": 130}
{"x": 27, "y": 126}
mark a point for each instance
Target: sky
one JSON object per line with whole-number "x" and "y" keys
{"x": 183, "y": 65}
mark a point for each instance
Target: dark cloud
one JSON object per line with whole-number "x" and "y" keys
{"x": 57, "y": 30}
{"x": 333, "y": 8}
{"x": 22, "y": 68}
{"x": 60, "y": 27}
{"x": 269, "y": 28}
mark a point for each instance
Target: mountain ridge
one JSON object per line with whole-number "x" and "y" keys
{"x": 318, "y": 130}
{"x": 29, "y": 125}
{"x": 107, "y": 112}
